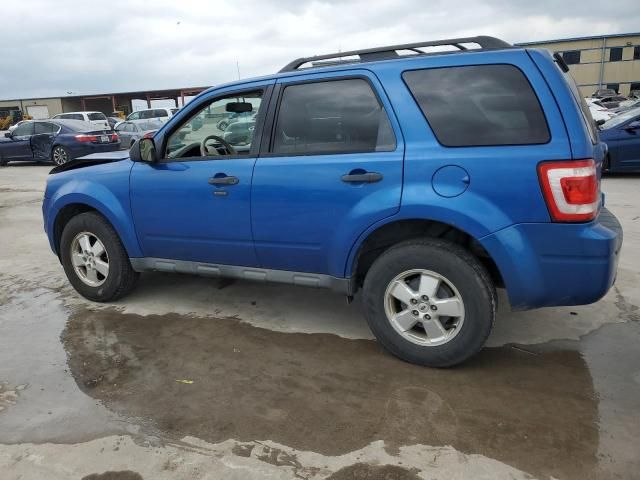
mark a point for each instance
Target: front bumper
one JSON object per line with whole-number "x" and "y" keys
{"x": 555, "y": 264}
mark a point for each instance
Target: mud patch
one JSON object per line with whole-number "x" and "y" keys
{"x": 9, "y": 395}
{"x": 123, "y": 475}
{"x": 321, "y": 393}
{"x": 363, "y": 471}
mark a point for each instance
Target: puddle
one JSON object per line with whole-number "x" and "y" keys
{"x": 219, "y": 379}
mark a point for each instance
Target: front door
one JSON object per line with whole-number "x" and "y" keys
{"x": 194, "y": 204}
{"x": 332, "y": 169}
{"x": 628, "y": 146}
{"x": 20, "y": 146}
{"x": 42, "y": 140}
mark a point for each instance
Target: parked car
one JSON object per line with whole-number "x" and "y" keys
{"x": 98, "y": 119}
{"x": 604, "y": 92}
{"x": 627, "y": 105}
{"x": 240, "y": 131}
{"x": 57, "y": 141}
{"x": 134, "y": 130}
{"x": 599, "y": 113}
{"x": 612, "y": 102}
{"x": 113, "y": 121}
{"x": 622, "y": 136}
{"x": 163, "y": 114}
{"x": 423, "y": 181}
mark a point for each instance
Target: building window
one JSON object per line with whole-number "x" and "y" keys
{"x": 572, "y": 57}
{"x": 636, "y": 53}
{"x": 635, "y": 87}
{"x": 614, "y": 86}
{"x": 615, "y": 54}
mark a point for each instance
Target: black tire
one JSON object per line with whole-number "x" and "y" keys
{"x": 3, "y": 162}
{"x": 458, "y": 266}
{"x": 60, "y": 155}
{"x": 121, "y": 278}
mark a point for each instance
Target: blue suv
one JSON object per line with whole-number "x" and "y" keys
{"x": 426, "y": 179}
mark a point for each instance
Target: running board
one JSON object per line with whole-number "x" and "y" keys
{"x": 149, "y": 264}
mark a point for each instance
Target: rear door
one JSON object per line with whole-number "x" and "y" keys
{"x": 331, "y": 167}
{"x": 628, "y": 147}
{"x": 42, "y": 140}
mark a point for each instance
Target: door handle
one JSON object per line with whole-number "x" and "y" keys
{"x": 226, "y": 180}
{"x": 368, "y": 177}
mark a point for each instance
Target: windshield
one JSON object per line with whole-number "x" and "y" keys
{"x": 622, "y": 118}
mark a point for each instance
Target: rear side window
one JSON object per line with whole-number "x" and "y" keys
{"x": 160, "y": 113}
{"x": 479, "y": 105}
{"x": 45, "y": 127}
{"x": 338, "y": 116}
{"x": 97, "y": 116}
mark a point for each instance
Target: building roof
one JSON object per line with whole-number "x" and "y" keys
{"x": 573, "y": 39}
{"x": 143, "y": 93}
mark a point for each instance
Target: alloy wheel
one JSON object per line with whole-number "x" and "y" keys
{"x": 89, "y": 259}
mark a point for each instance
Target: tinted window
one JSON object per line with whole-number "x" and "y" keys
{"x": 329, "y": 117}
{"x": 479, "y": 105}
{"x": 571, "y": 58}
{"x": 97, "y": 116}
{"x": 73, "y": 116}
{"x": 24, "y": 129}
{"x": 584, "y": 108}
{"x": 160, "y": 113}
{"x": 45, "y": 127}
{"x": 615, "y": 54}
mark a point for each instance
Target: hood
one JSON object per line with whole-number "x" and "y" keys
{"x": 93, "y": 159}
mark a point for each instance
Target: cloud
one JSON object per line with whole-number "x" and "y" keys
{"x": 50, "y": 48}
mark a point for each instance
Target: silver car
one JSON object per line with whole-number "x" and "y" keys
{"x": 133, "y": 130}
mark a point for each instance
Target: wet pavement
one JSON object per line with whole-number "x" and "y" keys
{"x": 197, "y": 378}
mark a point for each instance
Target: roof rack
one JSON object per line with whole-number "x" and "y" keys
{"x": 390, "y": 52}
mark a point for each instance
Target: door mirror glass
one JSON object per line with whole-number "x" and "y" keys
{"x": 147, "y": 150}
{"x": 7, "y": 134}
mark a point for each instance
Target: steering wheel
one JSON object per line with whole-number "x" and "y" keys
{"x": 227, "y": 146}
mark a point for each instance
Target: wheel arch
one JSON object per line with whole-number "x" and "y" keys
{"x": 370, "y": 246}
{"x": 66, "y": 207}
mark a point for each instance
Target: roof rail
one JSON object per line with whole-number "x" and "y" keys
{"x": 390, "y": 52}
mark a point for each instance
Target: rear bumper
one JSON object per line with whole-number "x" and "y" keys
{"x": 554, "y": 264}
{"x": 82, "y": 149}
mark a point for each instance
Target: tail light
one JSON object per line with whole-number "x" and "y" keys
{"x": 114, "y": 137}
{"x": 571, "y": 189}
{"x": 86, "y": 138}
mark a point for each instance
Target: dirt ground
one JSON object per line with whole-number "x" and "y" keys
{"x": 193, "y": 378}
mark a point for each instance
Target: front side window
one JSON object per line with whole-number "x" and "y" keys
{"x": 134, "y": 116}
{"x": 24, "y": 130}
{"x": 226, "y": 126}
{"x": 338, "y": 116}
{"x": 479, "y": 105}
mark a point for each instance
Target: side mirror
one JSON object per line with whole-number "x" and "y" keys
{"x": 143, "y": 150}
{"x": 635, "y": 125}
{"x": 600, "y": 122}
{"x": 7, "y": 134}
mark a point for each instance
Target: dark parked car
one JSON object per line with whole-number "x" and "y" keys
{"x": 55, "y": 141}
{"x": 622, "y": 136}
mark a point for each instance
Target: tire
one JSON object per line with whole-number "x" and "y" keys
{"x": 120, "y": 278}
{"x": 59, "y": 155}
{"x": 222, "y": 126}
{"x": 3, "y": 162}
{"x": 458, "y": 281}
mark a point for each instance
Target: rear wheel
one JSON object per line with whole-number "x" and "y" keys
{"x": 429, "y": 302}
{"x": 94, "y": 259}
{"x": 59, "y": 155}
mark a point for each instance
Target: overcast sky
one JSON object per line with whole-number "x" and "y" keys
{"x": 49, "y": 48}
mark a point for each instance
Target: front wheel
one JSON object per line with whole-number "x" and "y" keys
{"x": 59, "y": 155}
{"x": 429, "y": 302}
{"x": 95, "y": 260}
